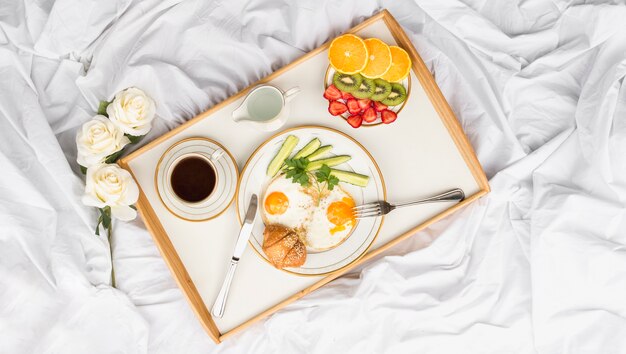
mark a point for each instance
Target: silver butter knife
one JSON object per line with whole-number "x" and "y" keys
{"x": 240, "y": 246}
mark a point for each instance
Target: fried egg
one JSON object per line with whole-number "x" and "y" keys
{"x": 287, "y": 203}
{"x": 332, "y": 220}
{"x": 324, "y": 217}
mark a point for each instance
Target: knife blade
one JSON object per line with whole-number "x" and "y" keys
{"x": 240, "y": 246}
{"x": 246, "y": 229}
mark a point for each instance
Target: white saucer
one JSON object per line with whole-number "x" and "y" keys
{"x": 225, "y": 189}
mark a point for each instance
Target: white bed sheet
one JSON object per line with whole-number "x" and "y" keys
{"x": 537, "y": 266}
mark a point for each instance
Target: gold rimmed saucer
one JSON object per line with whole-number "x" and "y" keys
{"x": 226, "y": 181}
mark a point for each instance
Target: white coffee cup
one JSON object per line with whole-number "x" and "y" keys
{"x": 209, "y": 159}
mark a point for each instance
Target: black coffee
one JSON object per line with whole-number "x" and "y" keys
{"x": 193, "y": 179}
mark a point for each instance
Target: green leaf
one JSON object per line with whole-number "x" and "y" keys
{"x": 98, "y": 226}
{"x": 102, "y": 108}
{"x": 323, "y": 176}
{"x": 302, "y": 162}
{"x": 297, "y": 171}
{"x": 133, "y": 207}
{"x": 106, "y": 217}
{"x": 134, "y": 139}
{"x": 303, "y": 180}
{"x": 83, "y": 169}
{"x": 114, "y": 156}
{"x": 332, "y": 182}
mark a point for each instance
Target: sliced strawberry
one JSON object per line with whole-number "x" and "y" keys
{"x": 332, "y": 93}
{"x": 370, "y": 115}
{"x": 364, "y": 103}
{"x": 388, "y": 116}
{"x": 353, "y": 106}
{"x": 355, "y": 121}
{"x": 337, "y": 108}
{"x": 346, "y": 95}
{"x": 379, "y": 106}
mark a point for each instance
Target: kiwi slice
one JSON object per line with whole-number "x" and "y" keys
{"x": 382, "y": 90}
{"x": 396, "y": 96}
{"x": 347, "y": 83}
{"x": 365, "y": 89}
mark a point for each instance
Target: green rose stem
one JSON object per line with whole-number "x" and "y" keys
{"x": 111, "y": 251}
{"x": 106, "y": 222}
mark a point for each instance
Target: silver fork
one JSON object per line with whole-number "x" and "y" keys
{"x": 383, "y": 208}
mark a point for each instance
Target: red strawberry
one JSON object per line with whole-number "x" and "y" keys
{"x": 346, "y": 95}
{"x": 332, "y": 93}
{"x": 379, "y": 106}
{"x": 353, "y": 106}
{"x": 364, "y": 103}
{"x": 337, "y": 108}
{"x": 388, "y": 116}
{"x": 370, "y": 115}
{"x": 355, "y": 121}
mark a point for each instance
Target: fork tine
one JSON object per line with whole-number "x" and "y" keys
{"x": 368, "y": 215}
{"x": 365, "y": 210}
{"x": 368, "y": 212}
{"x": 365, "y": 206}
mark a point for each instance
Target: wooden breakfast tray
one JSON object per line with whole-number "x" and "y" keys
{"x": 423, "y": 153}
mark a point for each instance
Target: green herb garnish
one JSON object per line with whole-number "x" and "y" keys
{"x": 323, "y": 175}
{"x": 296, "y": 170}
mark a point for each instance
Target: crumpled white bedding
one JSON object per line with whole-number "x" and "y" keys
{"x": 537, "y": 266}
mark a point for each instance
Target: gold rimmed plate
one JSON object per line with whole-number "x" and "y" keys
{"x": 328, "y": 80}
{"x": 224, "y": 190}
{"x": 254, "y": 180}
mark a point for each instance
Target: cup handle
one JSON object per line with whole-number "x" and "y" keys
{"x": 217, "y": 154}
{"x": 291, "y": 93}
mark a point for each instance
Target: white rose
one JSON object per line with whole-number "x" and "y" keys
{"x": 98, "y": 139}
{"x": 110, "y": 185}
{"x": 132, "y": 111}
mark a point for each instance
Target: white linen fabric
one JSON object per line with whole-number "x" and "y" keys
{"x": 537, "y": 266}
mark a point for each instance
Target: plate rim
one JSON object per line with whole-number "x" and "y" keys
{"x": 302, "y": 127}
{"x": 158, "y": 165}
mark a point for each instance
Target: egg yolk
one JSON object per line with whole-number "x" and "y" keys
{"x": 340, "y": 213}
{"x": 276, "y": 203}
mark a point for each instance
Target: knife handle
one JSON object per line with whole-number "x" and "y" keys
{"x": 220, "y": 301}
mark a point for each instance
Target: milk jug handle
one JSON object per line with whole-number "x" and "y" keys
{"x": 291, "y": 93}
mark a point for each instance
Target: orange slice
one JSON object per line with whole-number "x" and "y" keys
{"x": 348, "y": 54}
{"x": 379, "y": 59}
{"x": 400, "y": 65}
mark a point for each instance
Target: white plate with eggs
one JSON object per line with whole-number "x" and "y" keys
{"x": 329, "y": 247}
